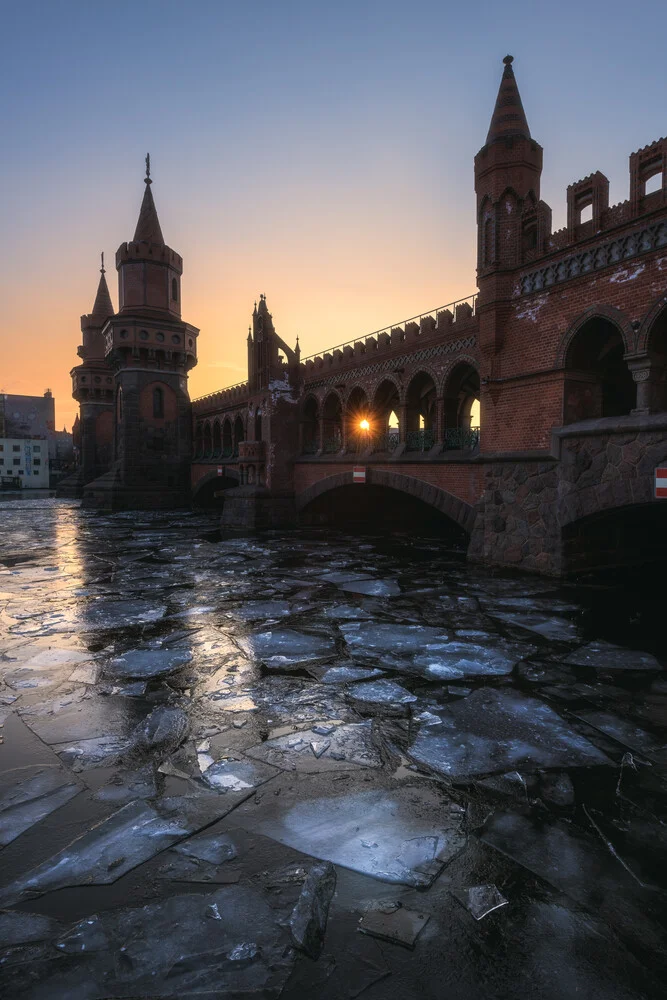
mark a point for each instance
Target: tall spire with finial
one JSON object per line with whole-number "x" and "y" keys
{"x": 509, "y": 118}
{"x": 103, "y": 307}
{"x": 148, "y": 226}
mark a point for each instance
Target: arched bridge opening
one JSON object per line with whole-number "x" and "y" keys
{"x": 207, "y": 493}
{"x": 387, "y": 504}
{"x": 618, "y": 540}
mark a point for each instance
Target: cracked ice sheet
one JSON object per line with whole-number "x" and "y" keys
{"x": 494, "y": 731}
{"x": 347, "y": 747}
{"x": 178, "y": 947}
{"x": 400, "y": 833}
{"x": 427, "y": 651}
{"x": 548, "y": 626}
{"x": 287, "y": 648}
{"x": 605, "y": 656}
{"x": 124, "y": 840}
{"x": 28, "y": 795}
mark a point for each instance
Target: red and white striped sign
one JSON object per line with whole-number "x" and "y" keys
{"x": 219, "y": 470}
{"x": 661, "y": 483}
{"x": 359, "y": 474}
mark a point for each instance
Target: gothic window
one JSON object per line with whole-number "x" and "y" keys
{"x": 158, "y": 403}
{"x": 488, "y": 240}
{"x": 529, "y": 236}
{"x": 174, "y": 289}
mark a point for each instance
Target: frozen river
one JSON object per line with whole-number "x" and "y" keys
{"x": 207, "y": 742}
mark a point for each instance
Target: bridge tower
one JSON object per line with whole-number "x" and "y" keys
{"x": 93, "y": 389}
{"x": 511, "y": 219}
{"x": 151, "y": 349}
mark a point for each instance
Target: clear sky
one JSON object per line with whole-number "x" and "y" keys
{"x": 319, "y": 152}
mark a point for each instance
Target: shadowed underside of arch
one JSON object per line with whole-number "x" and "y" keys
{"x": 204, "y": 487}
{"x": 446, "y": 503}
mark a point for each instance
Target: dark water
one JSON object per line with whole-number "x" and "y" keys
{"x": 481, "y": 757}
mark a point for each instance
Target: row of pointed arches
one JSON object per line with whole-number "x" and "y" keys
{"x": 221, "y": 438}
{"x": 418, "y": 417}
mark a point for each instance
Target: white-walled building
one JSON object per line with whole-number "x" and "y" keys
{"x": 27, "y": 459}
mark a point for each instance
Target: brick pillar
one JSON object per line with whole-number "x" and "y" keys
{"x": 439, "y": 420}
{"x": 402, "y": 423}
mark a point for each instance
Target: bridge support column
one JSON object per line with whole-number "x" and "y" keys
{"x": 646, "y": 375}
{"x": 402, "y": 423}
{"x": 439, "y": 422}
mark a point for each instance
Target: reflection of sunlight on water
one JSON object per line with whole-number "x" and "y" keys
{"x": 68, "y": 553}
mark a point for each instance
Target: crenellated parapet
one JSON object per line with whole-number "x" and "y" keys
{"x": 223, "y": 399}
{"x": 450, "y": 321}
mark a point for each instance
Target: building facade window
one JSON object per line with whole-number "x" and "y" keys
{"x": 174, "y": 289}
{"x": 158, "y": 403}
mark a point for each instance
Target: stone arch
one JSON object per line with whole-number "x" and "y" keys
{"x": 648, "y": 324}
{"x": 357, "y": 408}
{"x": 446, "y": 503}
{"x": 421, "y": 411}
{"x": 604, "y": 312}
{"x": 239, "y": 432}
{"x": 217, "y": 438}
{"x": 310, "y": 425}
{"x": 332, "y": 422}
{"x": 227, "y": 438}
{"x": 461, "y": 389}
{"x": 204, "y": 484}
{"x": 386, "y": 399}
{"x": 598, "y": 382}
{"x": 208, "y": 440}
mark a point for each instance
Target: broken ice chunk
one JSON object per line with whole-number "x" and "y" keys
{"x": 548, "y": 626}
{"x": 480, "y": 900}
{"x": 605, "y": 656}
{"x": 373, "y": 588}
{"x": 214, "y": 847}
{"x": 108, "y": 850}
{"x": 399, "y": 926}
{"x": 351, "y": 743}
{"x": 388, "y": 816}
{"x": 162, "y": 731}
{"x": 372, "y": 695}
{"x": 241, "y": 952}
{"x": 145, "y": 664}
{"x": 308, "y": 921}
{"x": 496, "y": 730}
{"x": 345, "y": 675}
{"x": 288, "y": 649}
{"x": 237, "y": 775}
{"x": 35, "y": 795}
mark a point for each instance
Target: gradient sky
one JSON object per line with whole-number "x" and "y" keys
{"x": 319, "y": 152}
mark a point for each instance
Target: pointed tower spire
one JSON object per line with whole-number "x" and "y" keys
{"x": 509, "y": 118}
{"x": 102, "y": 307}
{"x": 148, "y": 226}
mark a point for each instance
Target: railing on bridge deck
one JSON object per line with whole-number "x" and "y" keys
{"x": 464, "y": 439}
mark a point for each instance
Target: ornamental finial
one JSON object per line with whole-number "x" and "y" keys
{"x": 147, "y": 179}
{"x": 102, "y": 268}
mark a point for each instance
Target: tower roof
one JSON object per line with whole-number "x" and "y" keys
{"x": 103, "y": 307}
{"x": 509, "y": 118}
{"x": 148, "y": 225}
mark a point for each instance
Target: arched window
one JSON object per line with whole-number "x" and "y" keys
{"x": 227, "y": 443}
{"x": 385, "y": 421}
{"x": 208, "y": 441}
{"x": 217, "y": 438}
{"x": 158, "y": 403}
{"x": 421, "y": 413}
{"x": 598, "y": 382}
{"x": 174, "y": 289}
{"x": 462, "y": 408}
{"x": 488, "y": 240}
{"x": 239, "y": 434}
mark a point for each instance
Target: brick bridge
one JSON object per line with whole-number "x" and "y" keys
{"x": 528, "y": 415}
{"x": 527, "y": 418}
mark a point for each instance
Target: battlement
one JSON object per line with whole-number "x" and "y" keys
{"x": 454, "y": 318}
{"x": 221, "y": 399}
